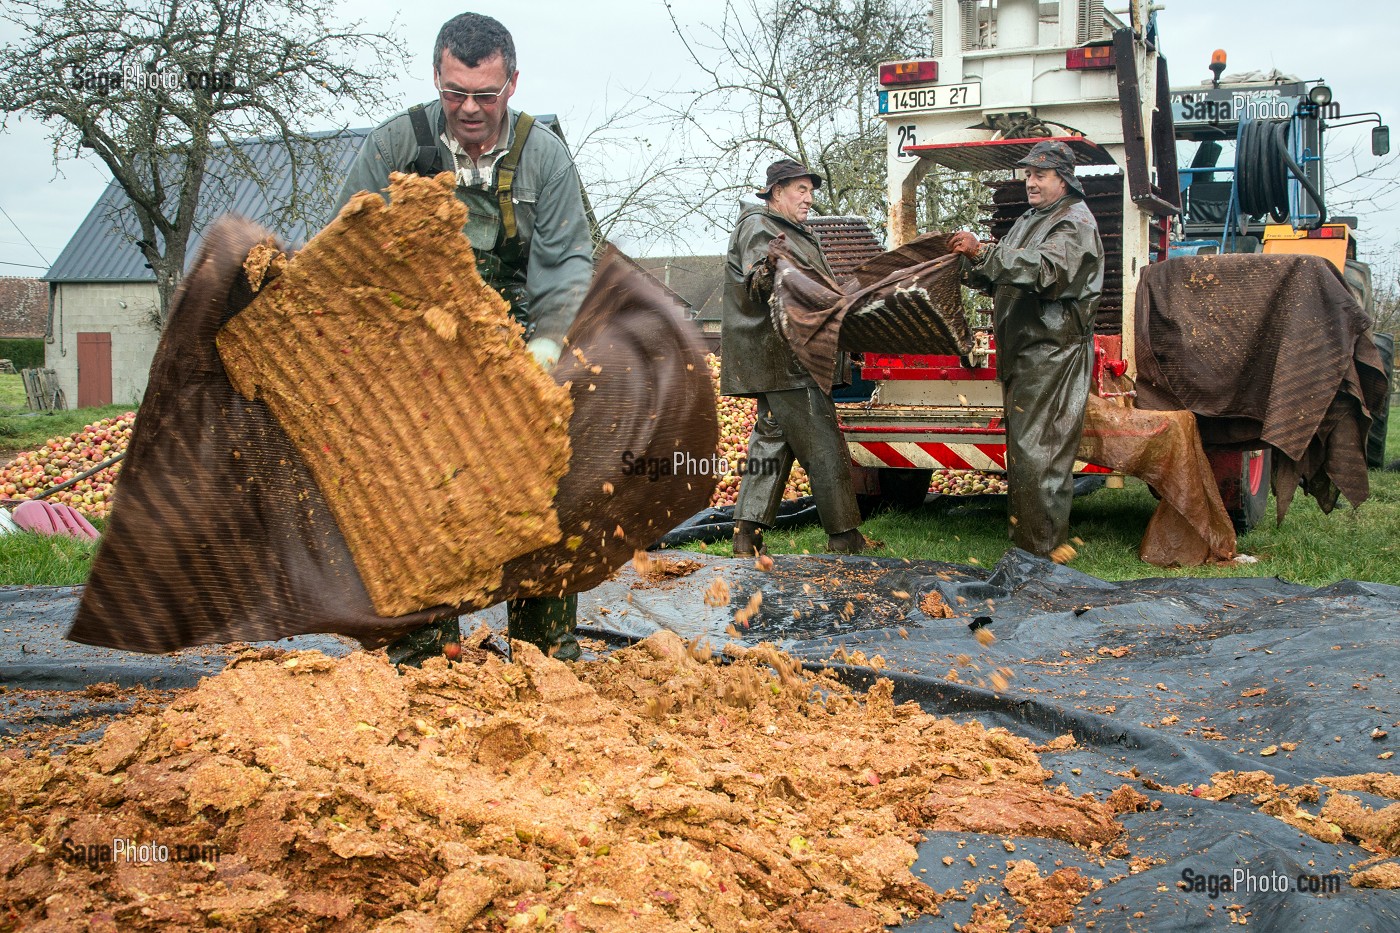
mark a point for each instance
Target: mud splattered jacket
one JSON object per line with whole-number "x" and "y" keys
{"x": 1048, "y": 268}
{"x": 754, "y": 357}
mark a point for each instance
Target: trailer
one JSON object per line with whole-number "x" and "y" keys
{"x": 1004, "y": 76}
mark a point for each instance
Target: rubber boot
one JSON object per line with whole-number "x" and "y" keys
{"x": 423, "y": 643}
{"x": 748, "y": 539}
{"x": 547, "y": 622}
{"x": 850, "y": 542}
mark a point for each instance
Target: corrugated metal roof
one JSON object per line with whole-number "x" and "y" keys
{"x": 104, "y": 247}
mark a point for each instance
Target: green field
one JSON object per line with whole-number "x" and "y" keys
{"x": 12, "y": 397}
{"x": 22, "y": 429}
{"x": 1311, "y": 548}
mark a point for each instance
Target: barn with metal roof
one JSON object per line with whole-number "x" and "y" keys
{"x": 103, "y": 303}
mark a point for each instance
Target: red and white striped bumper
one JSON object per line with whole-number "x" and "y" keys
{"x": 988, "y": 457}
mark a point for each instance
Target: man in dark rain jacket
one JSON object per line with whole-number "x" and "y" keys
{"x": 1045, "y": 275}
{"x": 795, "y": 417}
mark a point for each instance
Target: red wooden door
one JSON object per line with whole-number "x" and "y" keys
{"x": 94, "y": 370}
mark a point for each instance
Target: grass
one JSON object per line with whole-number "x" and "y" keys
{"x": 28, "y": 559}
{"x": 1310, "y": 548}
{"x": 22, "y": 429}
{"x": 12, "y": 392}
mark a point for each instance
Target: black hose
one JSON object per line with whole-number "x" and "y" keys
{"x": 1263, "y": 163}
{"x": 718, "y": 524}
{"x": 81, "y": 476}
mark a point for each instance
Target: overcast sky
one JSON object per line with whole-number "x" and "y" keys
{"x": 574, "y": 56}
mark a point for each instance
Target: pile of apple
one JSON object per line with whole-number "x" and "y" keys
{"x": 62, "y": 458}
{"x": 736, "y": 420}
{"x": 967, "y": 483}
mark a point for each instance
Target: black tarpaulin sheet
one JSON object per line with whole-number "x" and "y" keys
{"x": 1325, "y": 657}
{"x": 1172, "y": 706}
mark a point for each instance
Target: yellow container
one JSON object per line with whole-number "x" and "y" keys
{"x": 1328, "y": 241}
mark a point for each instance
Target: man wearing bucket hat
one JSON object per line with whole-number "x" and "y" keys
{"x": 795, "y": 417}
{"x": 1045, "y": 276}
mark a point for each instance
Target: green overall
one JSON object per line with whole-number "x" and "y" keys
{"x": 502, "y": 258}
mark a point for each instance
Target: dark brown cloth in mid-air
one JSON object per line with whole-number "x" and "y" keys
{"x": 205, "y": 546}
{"x": 906, "y": 300}
{"x": 1265, "y": 349}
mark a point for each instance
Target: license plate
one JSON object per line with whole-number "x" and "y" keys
{"x": 938, "y": 97}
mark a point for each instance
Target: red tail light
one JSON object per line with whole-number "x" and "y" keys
{"x": 1089, "y": 57}
{"x": 920, "y": 71}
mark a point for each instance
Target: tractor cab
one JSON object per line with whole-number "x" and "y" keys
{"x": 1252, "y": 166}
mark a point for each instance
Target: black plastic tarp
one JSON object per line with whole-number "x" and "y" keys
{"x": 1172, "y": 706}
{"x": 1325, "y": 657}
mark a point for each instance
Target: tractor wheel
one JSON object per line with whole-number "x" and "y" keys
{"x": 901, "y": 490}
{"x": 1244, "y": 478}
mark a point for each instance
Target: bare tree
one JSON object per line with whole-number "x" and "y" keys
{"x": 798, "y": 78}
{"x": 1385, "y": 296}
{"x": 1362, "y": 184}
{"x": 793, "y": 78}
{"x": 637, "y": 185}
{"x": 161, "y": 90}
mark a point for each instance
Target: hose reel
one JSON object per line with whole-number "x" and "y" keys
{"x": 1263, "y": 163}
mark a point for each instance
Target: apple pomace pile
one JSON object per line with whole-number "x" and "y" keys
{"x": 62, "y": 458}
{"x": 651, "y": 790}
{"x": 383, "y": 354}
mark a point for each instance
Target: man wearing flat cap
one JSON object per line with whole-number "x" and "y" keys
{"x": 1045, "y": 276}
{"x": 795, "y": 417}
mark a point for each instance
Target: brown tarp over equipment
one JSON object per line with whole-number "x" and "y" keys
{"x": 1265, "y": 349}
{"x": 908, "y": 300}
{"x": 221, "y": 533}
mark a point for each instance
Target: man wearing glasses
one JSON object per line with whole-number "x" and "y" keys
{"x": 526, "y": 219}
{"x": 527, "y": 226}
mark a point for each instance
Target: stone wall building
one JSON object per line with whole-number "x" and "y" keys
{"x": 102, "y": 303}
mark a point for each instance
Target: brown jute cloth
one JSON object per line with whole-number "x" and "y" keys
{"x": 907, "y": 300}
{"x": 1163, "y": 449}
{"x": 1265, "y": 349}
{"x": 204, "y": 546}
